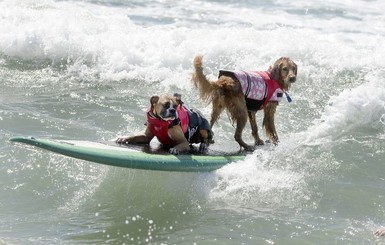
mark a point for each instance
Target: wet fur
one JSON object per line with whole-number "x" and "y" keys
{"x": 164, "y": 107}
{"x": 226, "y": 93}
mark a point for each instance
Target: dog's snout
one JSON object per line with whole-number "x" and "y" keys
{"x": 172, "y": 110}
{"x": 292, "y": 79}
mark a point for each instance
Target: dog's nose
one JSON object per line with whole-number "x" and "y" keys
{"x": 292, "y": 79}
{"x": 172, "y": 111}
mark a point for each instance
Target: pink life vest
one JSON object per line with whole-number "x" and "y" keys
{"x": 258, "y": 86}
{"x": 159, "y": 128}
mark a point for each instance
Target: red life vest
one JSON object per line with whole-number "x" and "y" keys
{"x": 273, "y": 88}
{"x": 159, "y": 128}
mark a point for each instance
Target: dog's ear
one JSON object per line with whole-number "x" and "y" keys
{"x": 178, "y": 98}
{"x": 275, "y": 71}
{"x": 154, "y": 99}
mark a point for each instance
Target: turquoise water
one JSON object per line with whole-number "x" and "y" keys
{"x": 85, "y": 70}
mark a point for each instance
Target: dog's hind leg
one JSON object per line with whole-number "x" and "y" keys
{"x": 254, "y": 128}
{"x": 238, "y": 135}
{"x": 217, "y": 108}
{"x": 241, "y": 120}
{"x": 214, "y": 116}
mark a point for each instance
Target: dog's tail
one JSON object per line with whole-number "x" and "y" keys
{"x": 205, "y": 87}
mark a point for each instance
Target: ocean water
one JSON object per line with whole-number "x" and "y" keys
{"x": 85, "y": 70}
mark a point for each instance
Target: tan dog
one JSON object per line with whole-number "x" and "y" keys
{"x": 244, "y": 93}
{"x": 175, "y": 126}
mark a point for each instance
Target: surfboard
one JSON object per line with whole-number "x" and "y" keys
{"x": 132, "y": 157}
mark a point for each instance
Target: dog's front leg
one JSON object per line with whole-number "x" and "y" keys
{"x": 268, "y": 122}
{"x": 143, "y": 138}
{"x": 181, "y": 143}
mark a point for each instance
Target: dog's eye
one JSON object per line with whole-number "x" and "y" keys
{"x": 167, "y": 105}
{"x": 175, "y": 106}
{"x": 284, "y": 68}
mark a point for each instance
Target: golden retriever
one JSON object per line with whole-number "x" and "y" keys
{"x": 243, "y": 93}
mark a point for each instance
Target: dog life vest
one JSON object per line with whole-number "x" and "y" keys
{"x": 189, "y": 120}
{"x": 258, "y": 87}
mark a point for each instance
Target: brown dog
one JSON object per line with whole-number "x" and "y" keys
{"x": 244, "y": 93}
{"x": 175, "y": 126}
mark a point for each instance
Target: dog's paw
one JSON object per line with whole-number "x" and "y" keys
{"x": 249, "y": 148}
{"x": 259, "y": 142}
{"x": 203, "y": 147}
{"x": 173, "y": 151}
{"x": 122, "y": 140}
{"x": 275, "y": 142}
{"x": 273, "y": 139}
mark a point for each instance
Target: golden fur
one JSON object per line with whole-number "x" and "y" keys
{"x": 226, "y": 93}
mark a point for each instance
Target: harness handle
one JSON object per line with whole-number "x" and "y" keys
{"x": 288, "y": 97}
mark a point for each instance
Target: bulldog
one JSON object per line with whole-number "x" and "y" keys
{"x": 175, "y": 126}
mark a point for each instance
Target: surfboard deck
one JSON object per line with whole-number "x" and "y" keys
{"x": 133, "y": 157}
